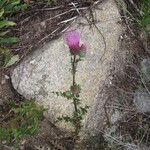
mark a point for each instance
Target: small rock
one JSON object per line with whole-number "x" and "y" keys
{"x": 4, "y": 142}
{"x": 3, "y": 81}
{"x": 4, "y": 78}
{"x": 145, "y": 64}
{"x": 142, "y": 101}
{"x": 115, "y": 117}
{"x": 7, "y": 77}
{"x": 43, "y": 24}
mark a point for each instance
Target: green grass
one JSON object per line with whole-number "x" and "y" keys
{"x": 144, "y": 19}
{"x": 20, "y": 121}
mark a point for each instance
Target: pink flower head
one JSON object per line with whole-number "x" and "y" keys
{"x": 72, "y": 39}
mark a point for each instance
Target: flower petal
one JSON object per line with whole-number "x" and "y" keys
{"x": 72, "y": 39}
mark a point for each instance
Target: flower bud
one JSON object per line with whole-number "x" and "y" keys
{"x": 83, "y": 50}
{"x": 74, "y": 90}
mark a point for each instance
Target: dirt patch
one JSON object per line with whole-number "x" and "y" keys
{"x": 49, "y": 136}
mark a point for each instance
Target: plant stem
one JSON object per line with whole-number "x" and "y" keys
{"x": 74, "y": 75}
{"x": 74, "y": 99}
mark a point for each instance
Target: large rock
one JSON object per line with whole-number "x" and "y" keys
{"x": 47, "y": 69}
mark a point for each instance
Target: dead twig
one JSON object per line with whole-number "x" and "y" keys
{"x": 5, "y": 116}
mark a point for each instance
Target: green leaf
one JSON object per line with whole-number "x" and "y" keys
{"x": 6, "y": 23}
{"x": 8, "y": 40}
{"x": 6, "y": 54}
{"x": 146, "y": 21}
{"x": 12, "y": 61}
{"x": 10, "y": 5}
{"x": 4, "y": 33}
{"x": 82, "y": 55}
{"x": 68, "y": 94}
{"x": 2, "y": 2}
{"x": 1, "y": 12}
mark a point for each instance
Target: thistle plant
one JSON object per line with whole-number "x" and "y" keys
{"x": 77, "y": 53}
